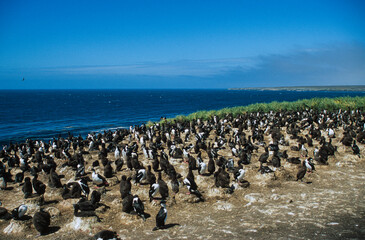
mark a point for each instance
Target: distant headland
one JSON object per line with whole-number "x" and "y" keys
{"x": 357, "y": 88}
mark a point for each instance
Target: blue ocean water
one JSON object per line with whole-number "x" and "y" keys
{"x": 43, "y": 114}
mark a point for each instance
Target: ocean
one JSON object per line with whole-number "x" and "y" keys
{"x": 43, "y": 114}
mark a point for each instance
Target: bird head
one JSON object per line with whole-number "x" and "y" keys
{"x": 163, "y": 203}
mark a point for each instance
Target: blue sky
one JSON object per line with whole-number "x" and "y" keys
{"x": 180, "y": 44}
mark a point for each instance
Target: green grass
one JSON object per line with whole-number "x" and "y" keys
{"x": 318, "y": 104}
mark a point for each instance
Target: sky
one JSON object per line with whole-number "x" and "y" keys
{"x": 180, "y": 44}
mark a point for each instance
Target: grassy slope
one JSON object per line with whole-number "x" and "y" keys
{"x": 330, "y": 104}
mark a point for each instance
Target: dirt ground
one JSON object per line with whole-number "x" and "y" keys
{"x": 328, "y": 204}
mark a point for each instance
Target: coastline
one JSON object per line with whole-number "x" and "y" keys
{"x": 353, "y": 88}
{"x": 317, "y": 103}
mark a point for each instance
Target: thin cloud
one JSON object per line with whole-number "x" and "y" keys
{"x": 342, "y": 64}
{"x": 325, "y": 65}
{"x": 196, "y": 68}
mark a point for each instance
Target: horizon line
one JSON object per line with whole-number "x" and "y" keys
{"x": 230, "y": 88}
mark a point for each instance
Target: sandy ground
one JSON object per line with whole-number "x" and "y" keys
{"x": 328, "y": 204}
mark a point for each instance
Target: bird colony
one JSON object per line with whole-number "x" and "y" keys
{"x": 104, "y": 182}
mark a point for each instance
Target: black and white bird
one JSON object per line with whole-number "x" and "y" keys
{"x": 140, "y": 175}
{"x": 161, "y": 216}
{"x": 331, "y": 133}
{"x": 265, "y": 169}
{"x": 315, "y": 153}
{"x": 91, "y": 145}
{"x": 24, "y": 165}
{"x": 84, "y": 186}
{"x": 202, "y": 166}
{"x": 116, "y": 153}
{"x": 309, "y": 164}
{"x": 145, "y": 152}
{"x": 80, "y": 171}
{"x": 190, "y": 183}
{"x": 106, "y": 235}
{"x": 19, "y": 212}
{"x": 303, "y": 151}
{"x": 99, "y": 180}
{"x": 3, "y": 183}
{"x": 274, "y": 147}
{"x": 138, "y": 207}
{"x": 66, "y": 154}
{"x": 239, "y": 174}
{"x": 230, "y": 164}
{"x": 234, "y": 152}
{"x": 154, "y": 189}
{"x": 185, "y": 155}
